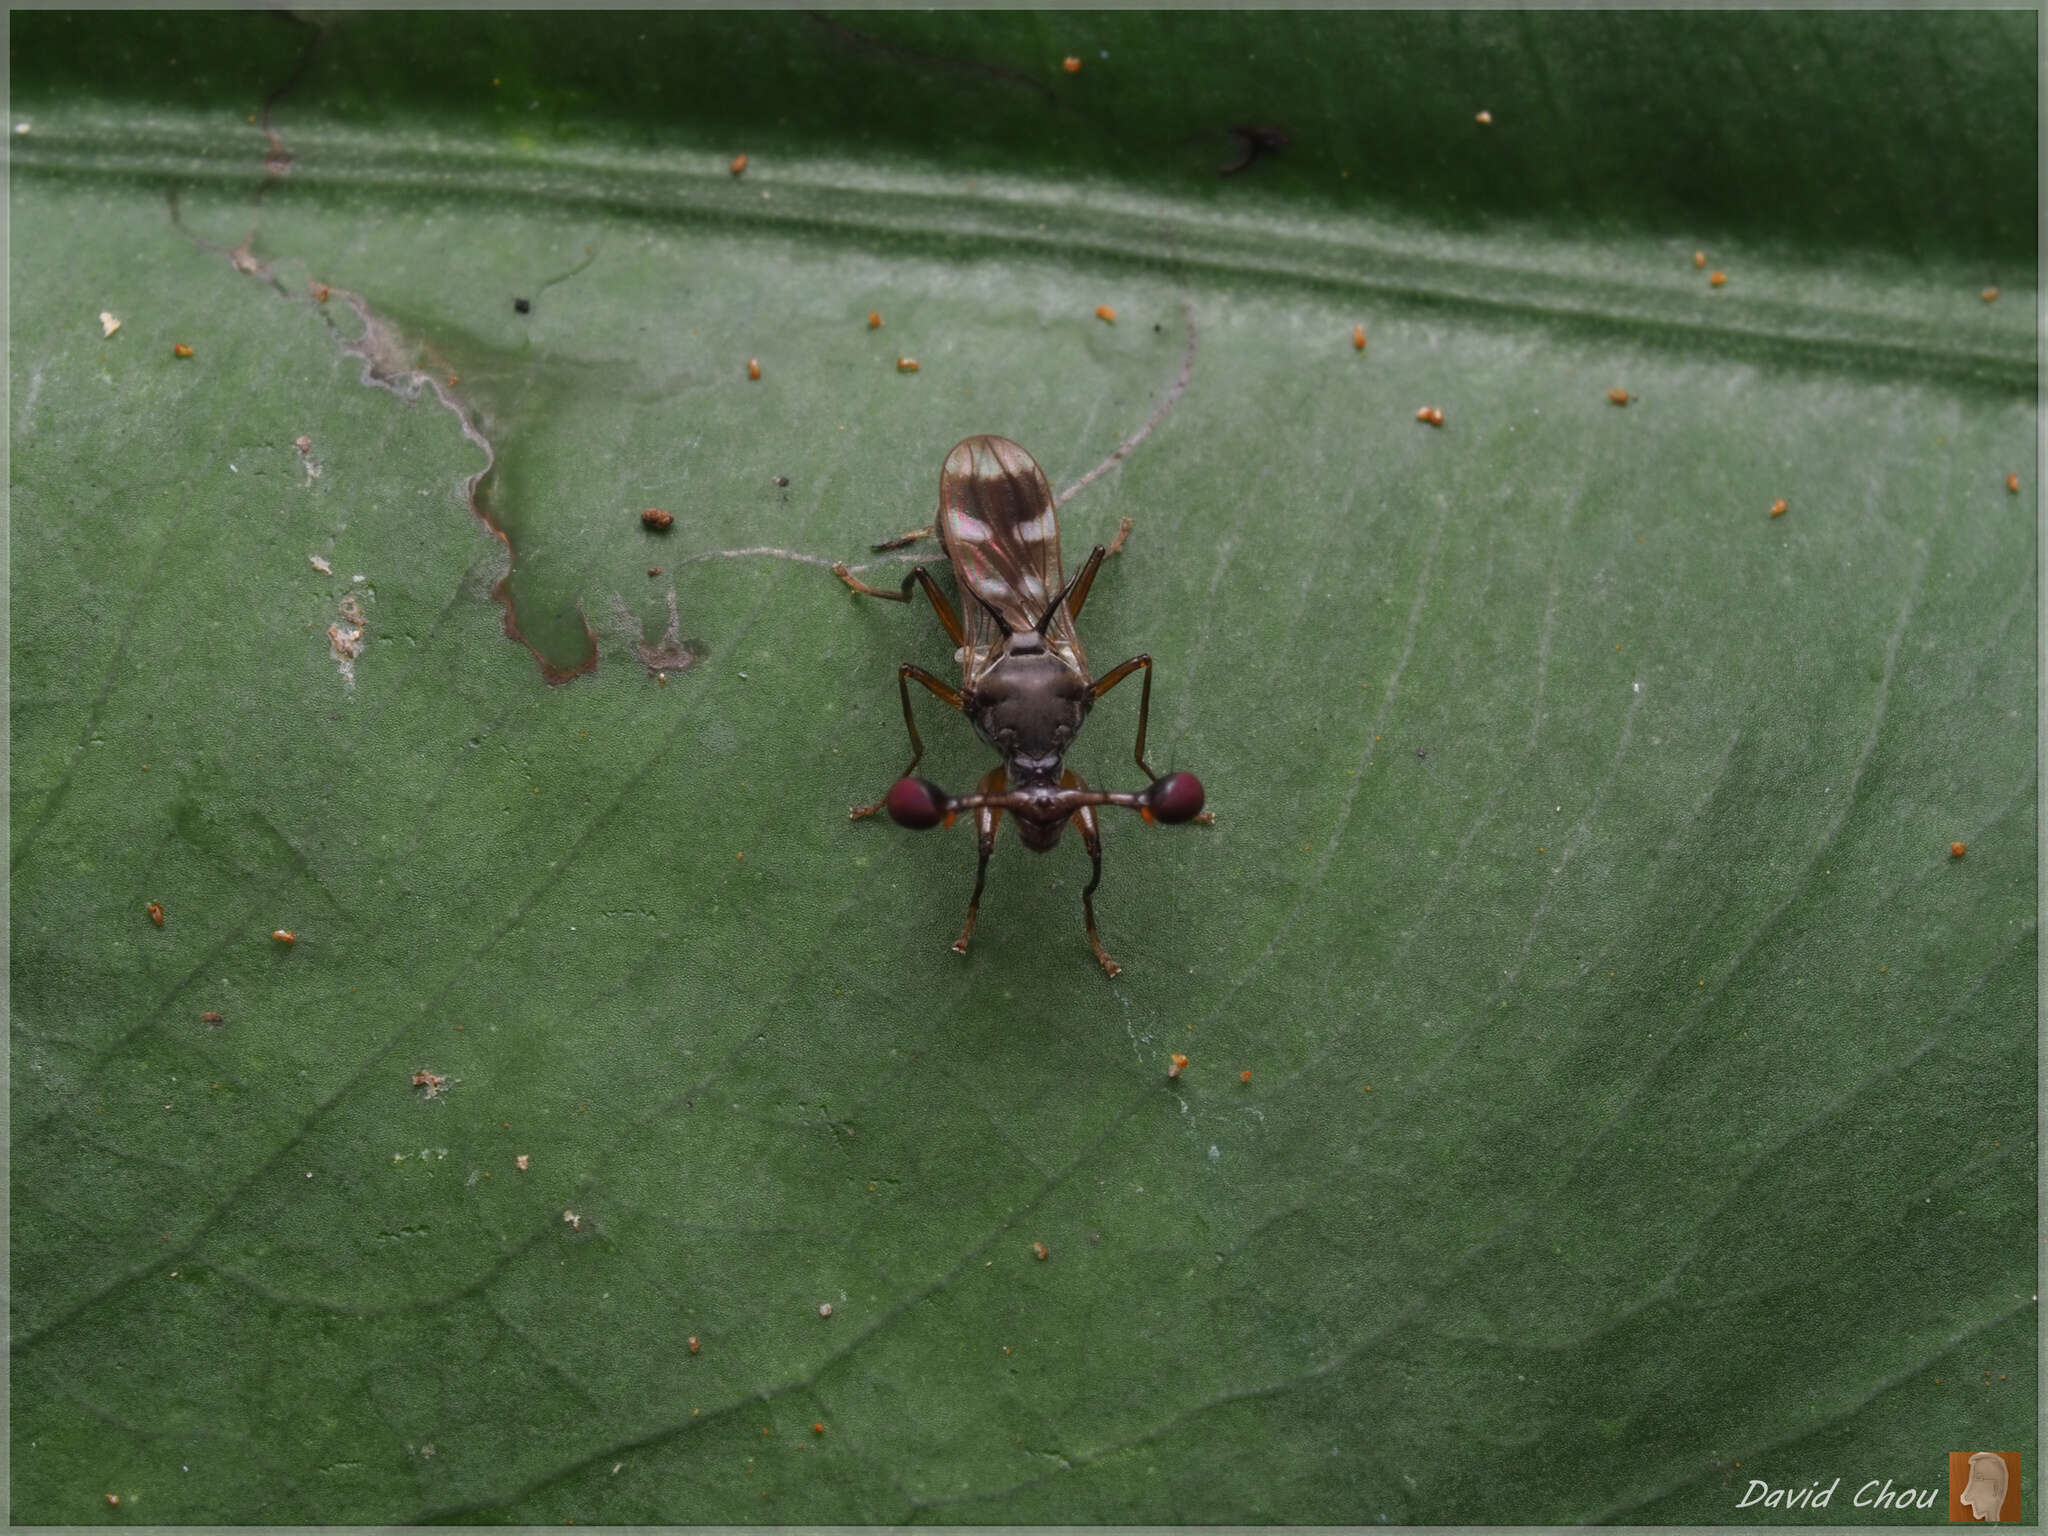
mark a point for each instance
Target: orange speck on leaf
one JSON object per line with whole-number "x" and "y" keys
{"x": 1956, "y": 850}
{"x": 1180, "y": 1062}
{"x": 1618, "y": 396}
{"x": 2012, "y": 484}
{"x": 874, "y": 319}
{"x": 817, "y": 1428}
{"x": 156, "y": 913}
{"x": 1358, "y": 337}
{"x": 1780, "y": 507}
{"x": 906, "y": 365}
{"x": 657, "y": 520}
{"x": 179, "y": 349}
{"x": 1699, "y": 258}
{"x": 738, "y": 166}
{"x": 1071, "y": 64}
{"x": 1040, "y": 1251}
{"x": 1430, "y": 414}
{"x": 1717, "y": 278}
{"x": 284, "y": 936}
{"x": 1990, "y": 295}
{"x": 1245, "y": 1076}
{"x": 1105, "y": 314}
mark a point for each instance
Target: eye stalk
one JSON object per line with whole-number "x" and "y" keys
{"x": 920, "y": 804}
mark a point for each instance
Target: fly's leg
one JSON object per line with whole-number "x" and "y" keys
{"x": 904, "y": 539}
{"x": 1091, "y": 836}
{"x": 918, "y": 576}
{"x": 1077, "y": 590}
{"x": 1078, "y": 593}
{"x": 946, "y": 691}
{"x": 1116, "y": 675}
{"x": 994, "y": 782}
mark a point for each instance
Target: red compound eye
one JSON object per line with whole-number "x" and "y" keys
{"x": 1176, "y": 797}
{"x": 919, "y": 803}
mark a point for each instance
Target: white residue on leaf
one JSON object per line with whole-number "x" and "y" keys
{"x": 109, "y": 322}
{"x": 345, "y": 639}
{"x": 346, "y": 644}
{"x": 321, "y": 565}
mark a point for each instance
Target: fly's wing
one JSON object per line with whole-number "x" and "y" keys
{"x": 1000, "y": 530}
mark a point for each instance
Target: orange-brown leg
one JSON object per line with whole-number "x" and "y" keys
{"x": 918, "y": 576}
{"x": 1091, "y": 837}
{"x": 1116, "y": 675}
{"x": 986, "y": 819}
{"x": 1086, "y": 579}
{"x": 945, "y": 691}
{"x": 903, "y": 539}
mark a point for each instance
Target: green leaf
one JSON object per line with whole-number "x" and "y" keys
{"x": 1641, "y": 1095}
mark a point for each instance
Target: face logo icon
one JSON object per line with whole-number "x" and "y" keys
{"x": 1983, "y": 1485}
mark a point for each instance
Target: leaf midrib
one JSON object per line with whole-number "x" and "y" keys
{"x": 1629, "y": 286}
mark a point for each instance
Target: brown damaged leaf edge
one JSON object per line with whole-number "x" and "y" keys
{"x": 382, "y": 350}
{"x": 384, "y": 354}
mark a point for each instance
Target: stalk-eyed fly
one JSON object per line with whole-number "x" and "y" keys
{"x": 1024, "y": 679}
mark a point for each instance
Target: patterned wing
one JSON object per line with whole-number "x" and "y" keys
{"x": 1001, "y": 533}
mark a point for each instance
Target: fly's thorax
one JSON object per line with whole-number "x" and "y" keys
{"x": 1029, "y": 705}
{"x": 1039, "y": 810}
{"x": 1041, "y": 836}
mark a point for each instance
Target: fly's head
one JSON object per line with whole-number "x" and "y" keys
{"x": 1030, "y": 706}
